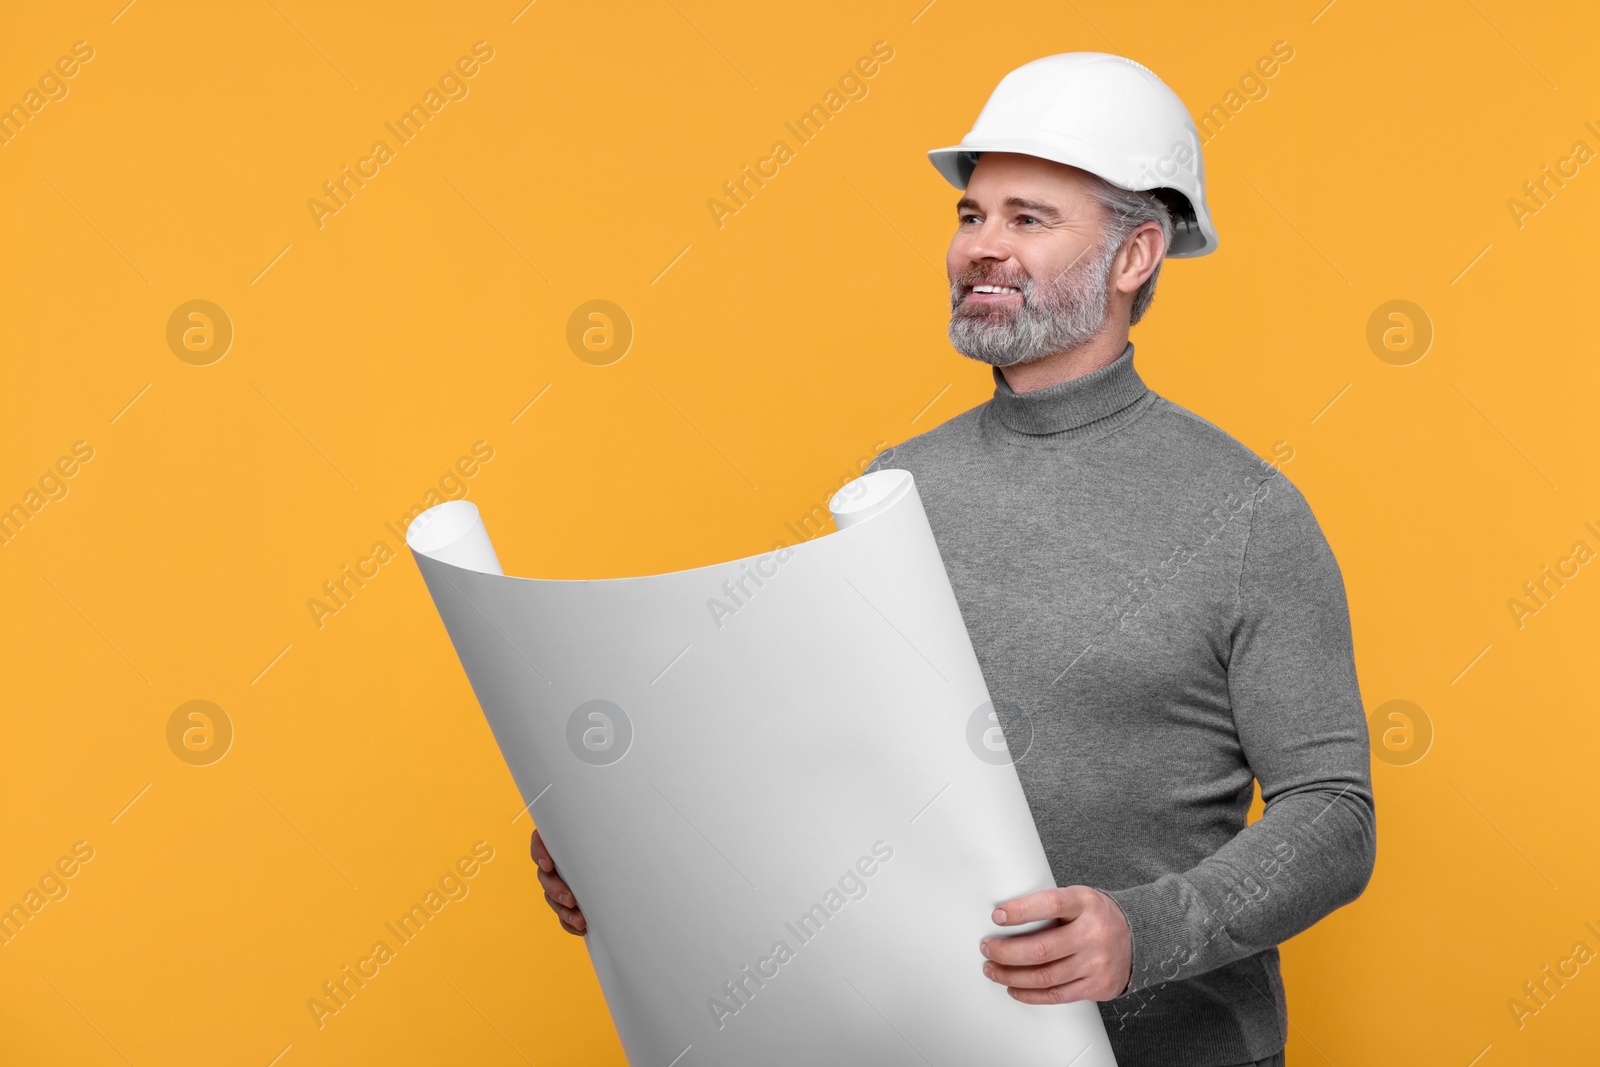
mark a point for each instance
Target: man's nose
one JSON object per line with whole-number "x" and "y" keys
{"x": 987, "y": 242}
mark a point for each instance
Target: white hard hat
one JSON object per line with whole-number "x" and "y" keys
{"x": 1104, "y": 114}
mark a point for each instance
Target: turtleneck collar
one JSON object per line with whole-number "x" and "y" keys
{"x": 1070, "y": 404}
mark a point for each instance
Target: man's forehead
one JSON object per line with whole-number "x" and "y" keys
{"x": 1023, "y": 183}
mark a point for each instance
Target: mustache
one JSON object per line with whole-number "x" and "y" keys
{"x": 971, "y": 278}
{"x": 978, "y": 276}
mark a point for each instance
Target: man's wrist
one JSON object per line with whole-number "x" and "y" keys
{"x": 1128, "y": 983}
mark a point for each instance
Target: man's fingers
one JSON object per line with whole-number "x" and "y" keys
{"x": 571, "y": 918}
{"x": 1065, "y": 903}
{"x": 541, "y": 855}
{"x": 1061, "y": 994}
{"x": 1030, "y": 950}
{"x": 1080, "y": 956}
{"x": 556, "y": 892}
{"x": 556, "y": 889}
{"x": 1056, "y": 972}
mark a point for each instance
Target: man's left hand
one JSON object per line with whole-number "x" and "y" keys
{"x": 1086, "y": 955}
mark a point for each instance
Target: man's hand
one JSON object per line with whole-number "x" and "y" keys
{"x": 556, "y": 893}
{"x": 1087, "y": 955}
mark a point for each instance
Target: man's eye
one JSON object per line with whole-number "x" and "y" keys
{"x": 964, "y": 218}
{"x": 1026, "y": 218}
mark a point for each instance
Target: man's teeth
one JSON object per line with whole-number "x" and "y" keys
{"x": 994, "y": 289}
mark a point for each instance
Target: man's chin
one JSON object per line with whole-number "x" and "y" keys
{"x": 991, "y": 357}
{"x": 986, "y": 338}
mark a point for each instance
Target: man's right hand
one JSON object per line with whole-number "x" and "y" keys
{"x": 556, "y": 892}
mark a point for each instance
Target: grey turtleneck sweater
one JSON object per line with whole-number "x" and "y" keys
{"x": 1160, "y": 621}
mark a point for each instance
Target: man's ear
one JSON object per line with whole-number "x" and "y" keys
{"x": 1139, "y": 257}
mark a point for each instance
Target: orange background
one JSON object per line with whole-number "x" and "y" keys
{"x": 768, "y": 356}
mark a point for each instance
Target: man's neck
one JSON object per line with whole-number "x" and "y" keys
{"x": 1058, "y": 367}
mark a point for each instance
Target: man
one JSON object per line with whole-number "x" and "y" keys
{"x": 1158, "y": 616}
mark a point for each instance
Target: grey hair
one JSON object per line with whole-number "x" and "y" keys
{"x": 1128, "y": 210}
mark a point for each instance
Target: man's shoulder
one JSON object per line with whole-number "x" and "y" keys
{"x": 1278, "y": 502}
{"x": 1185, "y": 433}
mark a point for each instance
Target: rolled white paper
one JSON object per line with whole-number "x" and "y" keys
{"x": 777, "y": 788}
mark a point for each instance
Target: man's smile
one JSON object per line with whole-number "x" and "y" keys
{"x": 991, "y": 294}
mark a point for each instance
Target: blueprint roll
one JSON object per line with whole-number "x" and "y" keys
{"x": 777, "y": 788}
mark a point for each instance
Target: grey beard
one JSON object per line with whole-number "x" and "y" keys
{"x": 1062, "y": 315}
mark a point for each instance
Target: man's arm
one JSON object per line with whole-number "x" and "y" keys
{"x": 1298, "y": 711}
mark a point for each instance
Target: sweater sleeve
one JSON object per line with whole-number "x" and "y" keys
{"x": 1297, "y": 708}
